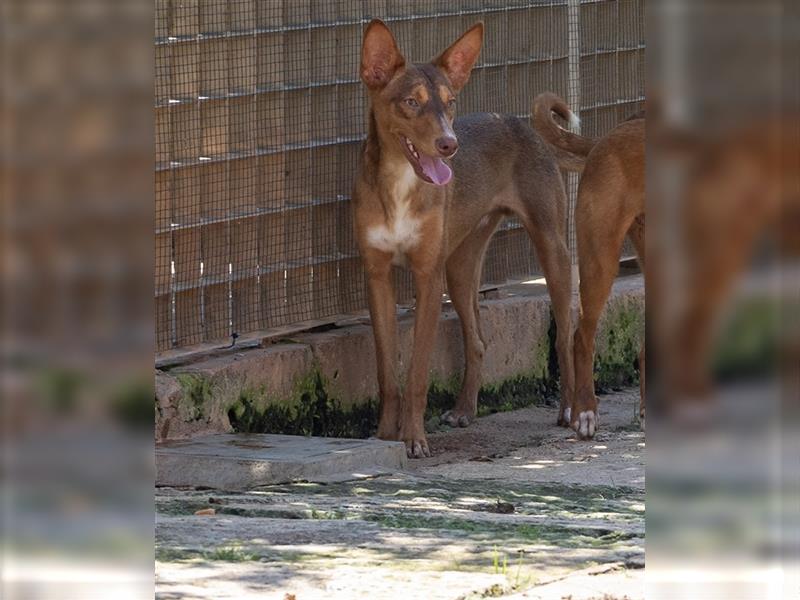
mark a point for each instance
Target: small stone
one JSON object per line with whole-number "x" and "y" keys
{"x": 503, "y": 508}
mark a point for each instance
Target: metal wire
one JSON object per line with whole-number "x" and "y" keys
{"x": 259, "y": 117}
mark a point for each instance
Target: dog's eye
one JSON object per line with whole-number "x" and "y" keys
{"x": 412, "y": 102}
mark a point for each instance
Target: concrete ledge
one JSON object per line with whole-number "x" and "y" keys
{"x": 346, "y": 357}
{"x": 239, "y": 462}
{"x": 274, "y": 368}
{"x": 194, "y": 399}
{"x": 330, "y": 376}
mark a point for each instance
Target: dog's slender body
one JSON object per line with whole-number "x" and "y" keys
{"x": 609, "y": 207}
{"x": 412, "y": 208}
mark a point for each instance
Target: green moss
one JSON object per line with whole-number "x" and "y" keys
{"x": 619, "y": 340}
{"x": 130, "y": 404}
{"x": 749, "y": 342}
{"x": 312, "y": 409}
{"x": 175, "y": 554}
{"x": 514, "y": 393}
{"x": 552, "y": 356}
{"x": 179, "y": 507}
{"x": 309, "y": 411}
{"x": 442, "y": 393}
{"x": 563, "y": 536}
{"x": 197, "y": 396}
{"x": 553, "y": 499}
{"x": 221, "y": 554}
{"x": 326, "y": 515}
{"x": 60, "y": 388}
{"x": 535, "y": 387}
{"x": 494, "y": 591}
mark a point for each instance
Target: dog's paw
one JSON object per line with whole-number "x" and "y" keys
{"x": 586, "y": 424}
{"x": 457, "y": 419}
{"x": 417, "y": 448}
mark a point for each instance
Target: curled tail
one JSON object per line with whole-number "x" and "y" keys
{"x": 570, "y": 149}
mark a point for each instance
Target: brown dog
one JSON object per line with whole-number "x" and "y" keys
{"x": 419, "y": 204}
{"x": 610, "y": 205}
{"x": 736, "y": 189}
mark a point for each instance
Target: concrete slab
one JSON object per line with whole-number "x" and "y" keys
{"x": 244, "y": 461}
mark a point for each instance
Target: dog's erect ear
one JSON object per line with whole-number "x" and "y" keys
{"x": 380, "y": 56}
{"x": 457, "y": 61}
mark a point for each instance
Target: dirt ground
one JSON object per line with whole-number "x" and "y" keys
{"x": 512, "y": 507}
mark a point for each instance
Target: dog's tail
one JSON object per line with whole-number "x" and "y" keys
{"x": 569, "y": 148}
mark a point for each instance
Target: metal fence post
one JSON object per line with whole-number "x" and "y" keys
{"x": 574, "y": 100}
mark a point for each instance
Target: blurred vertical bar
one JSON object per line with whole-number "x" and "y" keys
{"x": 723, "y": 476}
{"x": 574, "y": 100}
{"x": 76, "y": 166}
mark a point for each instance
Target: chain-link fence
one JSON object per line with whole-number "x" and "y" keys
{"x": 259, "y": 118}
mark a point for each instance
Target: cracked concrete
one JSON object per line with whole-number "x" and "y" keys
{"x": 511, "y": 507}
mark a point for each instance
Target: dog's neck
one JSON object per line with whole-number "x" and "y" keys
{"x": 389, "y": 169}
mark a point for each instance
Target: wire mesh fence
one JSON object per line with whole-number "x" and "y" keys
{"x": 259, "y": 116}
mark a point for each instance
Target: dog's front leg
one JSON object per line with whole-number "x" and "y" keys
{"x": 383, "y": 313}
{"x": 428, "y": 285}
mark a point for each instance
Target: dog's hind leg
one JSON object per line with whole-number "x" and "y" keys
{"x": 463, "y": 271}
{"x": 553, "y": 255}
{"x": 600, "y": 233}
{"x": 544, "y": 220}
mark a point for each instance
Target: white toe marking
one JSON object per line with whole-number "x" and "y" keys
{"x": 587, "y": 421}
{"x": 567, "y": 413}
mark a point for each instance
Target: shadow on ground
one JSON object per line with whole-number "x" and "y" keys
{"x": 429, "y": 533}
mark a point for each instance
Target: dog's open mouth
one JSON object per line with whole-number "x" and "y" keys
{"x": 429, "y": 169}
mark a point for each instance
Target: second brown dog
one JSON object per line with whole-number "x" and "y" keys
{"x": 610, "y": 206}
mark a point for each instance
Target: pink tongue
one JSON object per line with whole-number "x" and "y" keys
{"x": 436, "y": 169}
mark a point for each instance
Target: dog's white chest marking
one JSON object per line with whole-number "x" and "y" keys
{"x": 401, "y": 232}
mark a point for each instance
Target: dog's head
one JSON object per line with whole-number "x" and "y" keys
{"x": 415, "y": 104}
